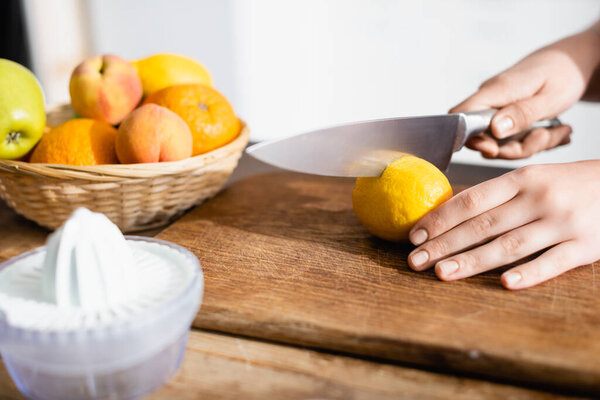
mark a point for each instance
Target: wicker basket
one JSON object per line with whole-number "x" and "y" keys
{"x": 133, "y": 196}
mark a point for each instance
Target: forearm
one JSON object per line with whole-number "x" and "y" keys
{"x": 582, "y": 48}
{"x": 592, "y": 35}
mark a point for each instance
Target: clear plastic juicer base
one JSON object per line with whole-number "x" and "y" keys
{"x": 131, "y": 383}
{"x": 126, "y": 360}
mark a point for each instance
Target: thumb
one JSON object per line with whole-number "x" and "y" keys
{"x": 519, "y": 116}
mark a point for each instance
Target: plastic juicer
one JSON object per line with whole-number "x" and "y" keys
{"x": 122, "y": 351}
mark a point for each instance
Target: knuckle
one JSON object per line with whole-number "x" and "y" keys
{"x": 471, "y": 199}
{"x": 510, "y": 244}
{"x": 549, "y": 200}
{"x": 543, "y": 134}
{"x": 482, "y": 225}
{"x": 523, "y": 114}
{"x": 572, "y": 222}
{"x": 558, "y": 206}
{"x": 501, "y": 81}
{"x": 559, "y": 261}
{"x": 544, "y": 195}
{"x": 435, "y": 223}
{"x": 512, "y": 180}
{"x": 437, "y": 248}
{"x": 527, "y": 151}
{"x": 467, "y": 261}
{"x": 548, "y": 268}
{"x": 527, "y": 173}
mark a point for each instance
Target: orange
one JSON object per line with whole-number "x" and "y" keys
{"x": 81, "y": 141}
{"x": 206, "y": 111}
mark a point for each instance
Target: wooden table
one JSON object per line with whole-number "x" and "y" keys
{"x": 220, "y": 364}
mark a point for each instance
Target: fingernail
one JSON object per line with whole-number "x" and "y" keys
{"x": 512, "y": 277}
{"x": 504, "y": 125}
{"x": 419, "y": 258}
{"x": 447, "y": 267}
{"x": 418, "y": 237}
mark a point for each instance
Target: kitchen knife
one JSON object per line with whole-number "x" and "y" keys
{"x": 366, "y": 148}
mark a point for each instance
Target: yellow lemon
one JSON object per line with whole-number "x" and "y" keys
{"x": 162, "y": 70}
{"x": 408, "y": 189}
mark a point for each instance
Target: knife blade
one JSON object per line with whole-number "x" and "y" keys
{"x": 365, "y": 149}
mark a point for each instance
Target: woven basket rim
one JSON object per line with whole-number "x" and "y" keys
{"x": 112, "y": 172}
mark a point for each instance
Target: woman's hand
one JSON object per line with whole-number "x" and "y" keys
{"x": 553, "y": 207}
{"x": 541, "y": 86}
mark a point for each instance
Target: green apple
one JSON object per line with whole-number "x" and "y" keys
{"x": 22, "y": 114}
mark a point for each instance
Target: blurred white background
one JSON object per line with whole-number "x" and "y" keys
{"x": 291, "y": 66}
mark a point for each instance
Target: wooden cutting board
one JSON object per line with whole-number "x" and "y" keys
{"x": 286, "y": 260}
{"x": 226, "y": 367}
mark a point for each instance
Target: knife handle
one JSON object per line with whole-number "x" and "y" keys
{"x": 479, "y": 122}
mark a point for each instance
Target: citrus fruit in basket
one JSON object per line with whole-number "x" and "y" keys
{"x": 22, "y": 115}
{"x": 106, "y": 88}
{"x": 207, "y": 112}
{"x": 78, "y": 142}
{"x": 153, "y": 133}
{"x": 162, "y": 70}
{"x": 390, "y": 205}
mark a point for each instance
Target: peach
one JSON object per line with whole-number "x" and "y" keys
{"x": 153, "y": 133}
{"x": 106, "y": 88}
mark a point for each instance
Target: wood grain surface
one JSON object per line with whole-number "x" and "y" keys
{"x": 285, "y": 259}
{"x": 265, "y": 254}
{"x": 18, "y": 234}
{"x": 218, "y": 366}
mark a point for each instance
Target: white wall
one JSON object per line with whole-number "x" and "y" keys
{"x": 293, "y": 65}
{"x": 58, "y": 41}
{"x": 201, "y": 29}
{"x": 314, "y": 63}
